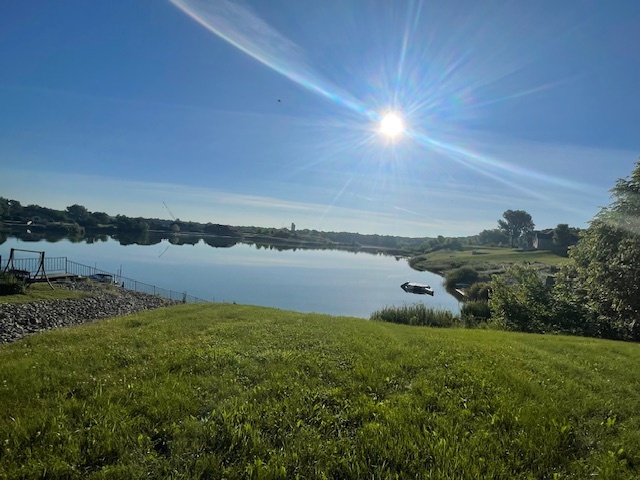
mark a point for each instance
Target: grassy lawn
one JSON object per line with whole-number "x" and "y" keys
{"x": 42, "y": 291}
{"x": 230, "y": 391}
{"x": 485, "y": 259}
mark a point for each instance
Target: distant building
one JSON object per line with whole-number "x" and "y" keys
{"x": 293, "y": 227}
{"x": 543, "y": 239}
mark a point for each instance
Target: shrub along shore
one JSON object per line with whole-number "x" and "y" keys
{"x": 231, "y": 391}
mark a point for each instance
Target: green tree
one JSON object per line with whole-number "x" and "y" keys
{"x": 53, "y": 215}
{"x": 607, "y": 259}
{"x": 563, "y": 238}
{"x": 515, "y": 224}
{"x": 101, "y": 218}
{"x": 453, "y": 244}
{"x": 562, "y": 235}
{"x": 131, "y": 225}
{"x": 492, "y": 237}
{"x": 15, "y": 209}
{"x": 4, "y": 207}
{"x": 78, "y": 213}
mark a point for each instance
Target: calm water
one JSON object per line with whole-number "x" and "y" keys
{"x": 323, "y": 281}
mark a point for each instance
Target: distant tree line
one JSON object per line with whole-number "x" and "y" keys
{"x": 350, "y": 239}
{"x": 76, "y": 219}
{"x": 76, "y": 216}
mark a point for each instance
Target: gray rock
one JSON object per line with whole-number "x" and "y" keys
{"x": 18, "y": 320}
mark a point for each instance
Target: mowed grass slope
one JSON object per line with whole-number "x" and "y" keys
{"x": 230, "y": 391}
{"x": 42, "y": 291}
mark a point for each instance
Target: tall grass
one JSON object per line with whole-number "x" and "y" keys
{"x": 417, "y": 314}
{"x": 229, "y": 391}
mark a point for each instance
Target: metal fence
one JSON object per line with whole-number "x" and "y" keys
{"x": 31, "y": 264}
{"x": 58, "y": 265}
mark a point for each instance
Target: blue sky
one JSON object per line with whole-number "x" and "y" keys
{"x": 267, "y": 112}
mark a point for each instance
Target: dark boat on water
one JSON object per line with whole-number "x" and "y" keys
{"x": 419, "y": 288}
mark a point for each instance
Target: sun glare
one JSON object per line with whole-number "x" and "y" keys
{"x": 391, "y": 125}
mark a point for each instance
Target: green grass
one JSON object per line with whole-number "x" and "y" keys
{"x": 42, "y": 291}
{"x": 229, "y": 391}
{"x": 486, "y": 259}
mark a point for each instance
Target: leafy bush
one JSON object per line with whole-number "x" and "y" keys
{"x": 10, "y": 284}
{"x": 575, "y": 315}
{"x": 465, "y": 275}
{"x": 478, "y": 292}
{"x": 417, "y": 314}
{"x": 521, "y": 301}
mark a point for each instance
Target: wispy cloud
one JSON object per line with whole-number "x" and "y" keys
{"x": 238, "y": 25}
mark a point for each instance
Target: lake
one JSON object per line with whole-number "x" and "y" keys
{"x": 324, "y": 281}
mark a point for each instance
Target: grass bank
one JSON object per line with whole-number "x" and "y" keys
{"x": 485, "y": 260}
{"x": 42, "y": 291}
{"x": 229, "y": 391}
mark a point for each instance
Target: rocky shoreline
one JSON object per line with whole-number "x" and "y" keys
{"x": 21, "y": 319}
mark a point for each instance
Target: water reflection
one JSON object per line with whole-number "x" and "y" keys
{"x": 148, "y": 238}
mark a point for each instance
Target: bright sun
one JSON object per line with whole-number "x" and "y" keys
{"x": 391, "y": 125}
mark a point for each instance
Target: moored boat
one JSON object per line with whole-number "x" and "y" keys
{"x": 419, "y": 288}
